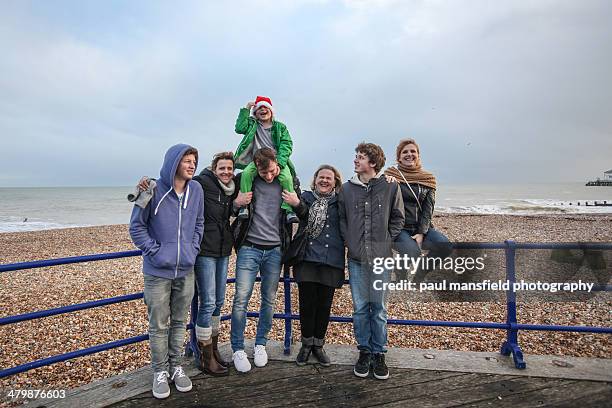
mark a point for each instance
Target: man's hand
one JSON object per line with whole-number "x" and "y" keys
{"x": 243, "y": 199}
{"x": 291, "y": 198}
{"x": 249, "y": 105}
{"x": 143, "y": 184}
{"x": 419, "y": 239}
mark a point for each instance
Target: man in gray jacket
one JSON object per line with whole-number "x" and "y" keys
{"x": 371, "y": 216}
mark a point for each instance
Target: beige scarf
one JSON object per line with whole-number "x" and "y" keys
{"x": 412, "y": 175}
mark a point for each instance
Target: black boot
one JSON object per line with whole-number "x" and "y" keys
{"x": 304, "y": 353}
{"x": 319, "y": 353}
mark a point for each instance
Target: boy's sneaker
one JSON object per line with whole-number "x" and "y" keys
{"x": 243, "y": 214}
{"x": 161, "y": 389}
{"x": 181, "y": 381}
{"x": 241, "y": 362}
{"x": 381, "y": 371}
{"x": 292, "y": 218}
{"x": 362, "y": 368}
{"x": 261, "y": 357}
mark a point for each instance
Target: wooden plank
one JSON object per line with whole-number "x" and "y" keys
{"x": 110, "y": 390}
{"x": 569, "y": 394}
{"x": 594, "y": 369}
{"x": 128, "y": 385}
{"x": 308, "y": 387}
{"x": 494, "y": 390}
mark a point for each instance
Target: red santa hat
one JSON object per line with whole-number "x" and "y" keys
{"x": 263, "y": 101}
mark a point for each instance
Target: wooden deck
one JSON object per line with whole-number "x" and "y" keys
{"x": 419, "y": 378}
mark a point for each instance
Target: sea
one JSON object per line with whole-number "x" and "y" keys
{"x": 31, "y": 209}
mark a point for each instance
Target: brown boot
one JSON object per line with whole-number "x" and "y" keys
{"x": 215, "y": 342}
{"x": 209, "y": 363}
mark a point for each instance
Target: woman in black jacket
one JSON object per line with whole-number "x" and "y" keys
{"x": 317, "y": 253}
{"x": 418, "y": 189}
{"x": 212, "y": 262}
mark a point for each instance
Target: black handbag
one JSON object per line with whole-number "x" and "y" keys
{"x": 297, "y": 248}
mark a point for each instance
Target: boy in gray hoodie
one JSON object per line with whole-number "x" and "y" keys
{"x": 169, "y": 231}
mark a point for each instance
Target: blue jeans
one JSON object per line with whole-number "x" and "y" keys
{"x": 436, "y": 242}
{"x": 248, "y": 263}
{"x": 167, "y": 300}
{"x": 369, "y": 307}
{"x": 211, "y": 277}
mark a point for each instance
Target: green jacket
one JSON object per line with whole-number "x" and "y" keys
{"x": 247, "y": 125}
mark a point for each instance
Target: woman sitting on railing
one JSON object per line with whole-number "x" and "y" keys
{"x": 418, "y": 189}
{"x": 317, "y": 256}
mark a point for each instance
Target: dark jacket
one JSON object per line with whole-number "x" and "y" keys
{"x": 328, "y": 247}
{"x": 418, "y": 220}
{"x": 371, "y": 217}
{"x": 218, "y": 239}
{"x": 240, "y": 227}
{"x": 169, "y": 230}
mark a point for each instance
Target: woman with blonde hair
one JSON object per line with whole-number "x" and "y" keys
{"x": 418, "y": 187}
{"x": 317, "y": 256}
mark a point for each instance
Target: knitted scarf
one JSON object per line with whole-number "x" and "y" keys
{"x": 317, "y": 215}
{"x": 412, "y": 175}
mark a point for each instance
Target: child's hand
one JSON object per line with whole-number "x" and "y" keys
{"x": 243, "y": 199}
{"x": 249, "y": 105}
{"x": 291, "y": 198}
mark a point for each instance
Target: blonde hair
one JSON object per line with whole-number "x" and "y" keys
{"x": 402, "y": 144}
{"x": 337, "y": 176}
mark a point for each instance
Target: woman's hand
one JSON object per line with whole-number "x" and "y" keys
{"x": 419, "y": 239}
{"x": 249, "y": 105}
{"x": 390, "y": 179}
{"x": 143, "y": 184}
{"x": 291, "y": 198}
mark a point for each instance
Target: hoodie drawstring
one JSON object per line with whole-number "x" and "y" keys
{"x": 186, "y": 198}
{"x": 162, "y": 199}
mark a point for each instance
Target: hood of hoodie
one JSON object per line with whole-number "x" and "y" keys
{"x": 172, "y": 159}
{"x": 355, "y": 179}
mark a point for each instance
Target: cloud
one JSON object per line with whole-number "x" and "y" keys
{"x": 493, "y": 91}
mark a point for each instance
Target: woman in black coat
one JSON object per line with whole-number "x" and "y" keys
{"x": 317, "y": 253}
{"x": 418, "y": 187}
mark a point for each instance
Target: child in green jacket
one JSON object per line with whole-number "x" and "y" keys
{"x": 261, "y": 130}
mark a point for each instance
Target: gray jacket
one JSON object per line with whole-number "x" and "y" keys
{"x": 371, "y": 217}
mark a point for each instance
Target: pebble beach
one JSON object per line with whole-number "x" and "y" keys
{"x": 38, "y": 289}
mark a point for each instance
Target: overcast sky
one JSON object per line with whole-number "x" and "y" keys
{"x": 93, "y": 93}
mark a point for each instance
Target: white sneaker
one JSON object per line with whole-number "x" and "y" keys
{"x": 261, "y": 357}
{"x": 241, "y": 362}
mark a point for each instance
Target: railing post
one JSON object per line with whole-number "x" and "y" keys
{"x": 192, "y": 346}
{"x": 287, "y": 290}
{"x": 511, "y": 344}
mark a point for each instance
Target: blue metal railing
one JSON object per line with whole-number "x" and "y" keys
{"x": 512, "y": 327}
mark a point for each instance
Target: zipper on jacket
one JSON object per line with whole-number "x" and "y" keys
{"x": 178, "y": 256}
